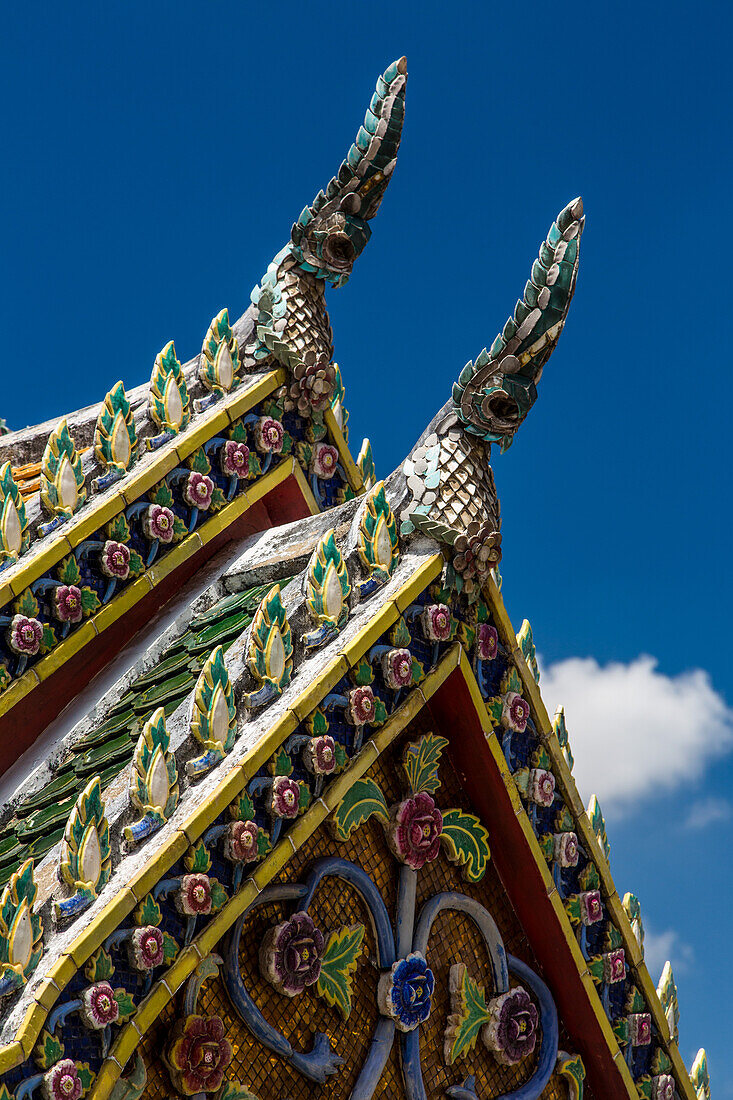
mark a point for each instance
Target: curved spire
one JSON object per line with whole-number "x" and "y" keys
{"x": 494, "y": 394}
{"x": 333, "y": 230}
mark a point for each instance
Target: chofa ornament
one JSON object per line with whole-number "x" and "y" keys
{"x": 270, "y": 650}
{"x": 115, "y": 438}
{"x": 21, "y": 931}
{"x": 14, "y": 534}
{"x": 62, "y": 479}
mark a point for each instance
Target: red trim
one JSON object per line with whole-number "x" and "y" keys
{"x": 455, "y": 714}
{"x": 20, "y": 727}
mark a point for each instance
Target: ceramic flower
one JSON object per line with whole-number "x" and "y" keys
{"x": 115, "y": 560}
{"x": 198, "y": 490}
{"x": 194, "y": 895}
{"x": 515, "y": 712}
{"x": 320, "y": 755}
{"x": 62, "y": 1082}
{"x": 414, "y": 830}
{"x": 487, "y": 642}
{"x": 269, "y": 435}
{"x": 566, "y": 849}
{"x": 158, "y": 523}
{"x": 99, "y": 1007}
{"x": 640, "y": 1029}
{"x": 397, "y": 668}
{"x": 541, "y": 786}
{"x": 511, "y": 1033}
{"x": 313, "y": 383}
{"x": 614, "y": 966}
{"x": 284, "y": 797}
{"x": 404, "y": 993}
{"x": 240, "y": 841}
{"x": 291, "y": 954}
{"x": 25, "y": 635}
{"x": 234, "y": 459}
{"x": 663, "y": 1087}
{"x": 325, "y": 460}
{"x": 591, "y": 907}
{"x": 67, "y": 603}
{"x": 361, "y": 708}
{"x": 198, "y": 1054}
{"x": 145, "y": 948}
{"x": 436, "y": 622}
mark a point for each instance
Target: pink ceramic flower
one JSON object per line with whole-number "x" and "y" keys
{"x": 566, "y": 849}
{"x": 663, "y": 1087}
{"x": 291, "y": 954}
{"x": 361, "y": 706}
{"x": 240, "y": 842}
{"x": 198, "y": 491}
{"x": 158, "y": 523}
{"x": 25, "y": 635}
{"x": 487, "y": 642}
{"x": 414, "y": 830}
{"x": 436, "y": 623}
{"x": 234, "y": 459}
{"x": 194, "y": 896}
{"x": 320, "y": 755}
{"x": 269, "y": 435}
{"x": 145, "y": 948}
{"x": 325, "y": 460}
{"x": 515, "y": 712}
{"x": 614, "y": 966}
{"x": 541, "y": 786}
{"x": 115, "y": 560}
{"x": 397, "y": 668}
{"x": 62, "y": 1082}
{"x": 591, "y": 907}
{"x": 640, "y": 1029}
{"x": 285, "y": 797}
{"x": 67, "y": 603}
{"x": 198, "y": 1055}
{"x": 99, "y": 1007}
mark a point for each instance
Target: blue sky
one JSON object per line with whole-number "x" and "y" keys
{"x": 155, "y": 157}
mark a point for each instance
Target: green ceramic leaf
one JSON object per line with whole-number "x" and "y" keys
{"x": 469, "y": 1013}
{"x": 467, "y": 842}
{"x": 99, "y": 967}
{"x": 48, "y": 1050}
{"x": 339, "y": 963}
{"x": 86, "y": 1075}
{"x": 68, "y": 570}
{"x": 170, "y": 948}
{"x": 421, "y": 760}
{"x": 198, "y": 859}
{"x": 401, "y": 636}
{"x": 89, "y": 600}
{"x": 218, "y": 894}
{"x": 148, "y": 912}
{"x": 364, "y": 673}
{"x": 125, "y": 1004}
{"x": 363, "y": 800}
{"x": 281, "y": 763}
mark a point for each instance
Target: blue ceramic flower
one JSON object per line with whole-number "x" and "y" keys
{"x": 404, "y": 993}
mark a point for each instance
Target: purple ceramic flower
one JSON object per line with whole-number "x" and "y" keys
{"x": 25, "y": 635}
{"x": 361, "y": 707}
{"x": 145, "y": 948}
{"x": 198, "y": 1055}
{"x": 663, "y": 1087}
{"x": 198, "y": 490}
{"x": 541, "y": 786}
{"x": 115, "y": 560}
{"x": 67, "y": 603}
{"x": 614, "y": 966}
{"x": 291, "y": 954}
{"x": 234, "y": 459}
{"x": 240, "y": 841}
{"x": 320, "y": 755}
{"x": 405, "y": 992}
{"x": 515, "y": 712}
{"x": 269, "y": 435}
{"x": 397, "y": 668}
{"x": 414, "y": 830}
{"x": 99, "y": 1007}
{"x": 487, "y": 642}
{"x": 62, "y": 1082}
{"x": 194, "y": 896}
{"x": 285, "y": 797}
{"x": 640, "y": 1029}
{"x": 566, "y": 849}
{"x": 511, "y": 1033}
{"x": 325, "y": 460}
{"x": 591, "y": 907}
{"x": 158, "y": 523}
{"x": 436, "y": 622}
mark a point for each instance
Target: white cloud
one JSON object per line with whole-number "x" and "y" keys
{"x": 660, "y": 946}
{"x": 708, "y": 811}
{"x": 634, "y": 731}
